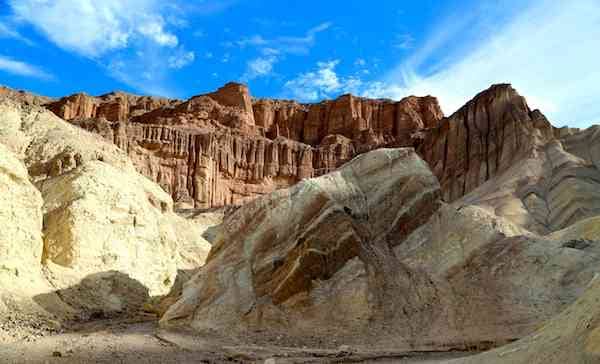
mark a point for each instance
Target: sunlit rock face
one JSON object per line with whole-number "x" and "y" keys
{"x": 473, "y": 238}
{"x": 224, "y": 148}
{"x": 82, "y": 232}
{"x": 369, "y": 255}
{"x": 317, "y": 257}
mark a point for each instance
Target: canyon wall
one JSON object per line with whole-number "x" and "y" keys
{"x": 483, "y": 139}
{"x": 225, "y": 148}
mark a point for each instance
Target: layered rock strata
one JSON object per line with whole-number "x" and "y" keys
{"x": 317, "y": 257}
{"x": 224, "y": 149}
{"x": 483, "y": 139}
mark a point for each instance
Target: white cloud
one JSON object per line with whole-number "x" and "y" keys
{"x": 298, "y": 45}
{"x": 130, "y": 39}
{"x": 403, "y": 41}
{"x": 155, "y": 31}
{"x": 19, "y": 68}
{"x": 255, "y": 40}
{"x": 274, "y": 50}
{"x": 549, "y": 51}
{"x": 7, "y": 31}
{"x": 93, "y": 28}
{"x": 181, "y": 59}
{"x": 321, "y": 83}
{"x": 258, "y": 67}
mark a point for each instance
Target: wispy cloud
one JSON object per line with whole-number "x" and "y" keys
{"x": 274, "y": 49}
{"x": 360, "y": 62}
{"x": 181, "y": 59}
{"x": 403, "y": 41}
{"x": 549, "y": 51}
{"x": 19, "y": 68}
{"x": 322, "y": 82}
{"x": 7, "y": 31}
{"x": 259, "y": 67}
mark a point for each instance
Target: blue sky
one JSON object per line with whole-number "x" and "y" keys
{"x": 310, "y": 50}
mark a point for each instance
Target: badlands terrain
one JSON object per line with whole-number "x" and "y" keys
{"x": 226, "y": 228}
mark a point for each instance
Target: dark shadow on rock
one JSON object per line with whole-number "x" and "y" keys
{"x": 211, "y": 233}
{"x": 98, "y": 296}
{"x": 109, "y": 297}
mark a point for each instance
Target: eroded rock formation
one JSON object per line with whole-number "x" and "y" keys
{"x": 24, "y": 96}
{"x": 223, "y": 149}
{"x": 483, "y": 139}
{"x": 114, "y": 106}
{"x": 366, "y": 254}
{"x": 319, "y": 255}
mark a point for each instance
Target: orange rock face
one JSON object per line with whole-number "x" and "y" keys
{"x": 483, "y": 139}
{"x": 114, "y": 106}
{"x": 349, "y": 116}
{"x": 223, "y": 149}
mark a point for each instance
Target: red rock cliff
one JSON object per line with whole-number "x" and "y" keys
{"x": 221, "y": 148}
{"x": 483, "y": 139}
{"x": 349, "y": 116}
{"x": 114, "y": 106}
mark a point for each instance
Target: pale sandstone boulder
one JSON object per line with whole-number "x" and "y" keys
{"x": 315, "y": 259}
{"x": 504, "y": 280}
{"x": 105, "y": 226}
{"x": 100, "y": 219}
{"x": 573, "y": 336}
{"x": 21, "y": 246}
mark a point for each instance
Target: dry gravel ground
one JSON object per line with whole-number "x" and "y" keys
{"x": 139, "y": 340}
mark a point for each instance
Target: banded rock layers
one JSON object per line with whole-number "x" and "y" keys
{"x": 223, "y": 148}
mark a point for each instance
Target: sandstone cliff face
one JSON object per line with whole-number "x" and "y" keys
{"x": 349, "y": 116}
{"x": 21, "y": 219}
{"x": 21, "y": 247}
{"x": 221, "y": 149}
{"x": 89, "y": 234}
{"x": 483, "y": 139}
{"x": 114, "y": 106}
{"x": 257, "y": 147}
